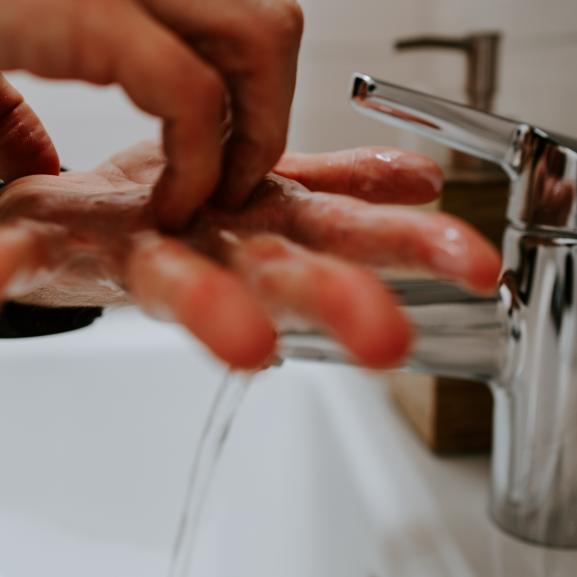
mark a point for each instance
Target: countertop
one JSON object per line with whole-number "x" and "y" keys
{"x": 321, "y": 477}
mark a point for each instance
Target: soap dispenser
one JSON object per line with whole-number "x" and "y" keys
{"x": 454, "y": 416}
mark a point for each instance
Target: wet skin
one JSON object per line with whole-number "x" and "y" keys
{"x": 91, "y": 239}
{"x": 190, "y": 63}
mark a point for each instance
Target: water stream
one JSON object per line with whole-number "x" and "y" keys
{"x": 223, "y": 410}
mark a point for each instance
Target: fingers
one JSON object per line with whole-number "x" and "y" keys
{"x": 25, "y": 147}
{"x": 374, "y": 235}
{"x": 375, "y": 174}
{"x": 109, "y": 41}
{"x": 29, "y": 253}
{"x": 261, "y": 102}
{"x": 167, "y": 279}
{"x": 166, "y": 79}
{"x": 254, "y": 45}
{"x": 394, "y": 236}
{"x": 346, "y": 301}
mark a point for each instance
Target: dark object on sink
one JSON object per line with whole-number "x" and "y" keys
{"x": 21, "y": 321}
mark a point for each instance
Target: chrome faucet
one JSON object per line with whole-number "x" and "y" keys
{"x": 522, "y": 342}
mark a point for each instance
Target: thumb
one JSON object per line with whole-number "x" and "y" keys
{"x": 25, "y": 147}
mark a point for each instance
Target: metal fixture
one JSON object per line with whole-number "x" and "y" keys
{"x": 523, "y": 343}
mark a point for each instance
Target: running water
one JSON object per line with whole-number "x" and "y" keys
{"x": 225, "y": 406}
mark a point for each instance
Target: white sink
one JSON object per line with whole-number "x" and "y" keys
{"x": 320, "y": 478}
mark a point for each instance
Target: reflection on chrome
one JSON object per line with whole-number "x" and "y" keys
{"x": 523, "y": 342}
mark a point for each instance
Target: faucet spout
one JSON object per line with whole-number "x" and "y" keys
{"x": 457, "y": 334}
{"x": 472, "y": 131}
{"x": 525, "y": 345}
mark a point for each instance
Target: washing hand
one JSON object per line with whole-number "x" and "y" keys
{"x": 90, "y": 239}
{"x": 188, "y": 62}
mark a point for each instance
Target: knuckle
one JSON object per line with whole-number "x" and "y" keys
{"x": 91, "y": 41}
{"x": 283, "y": 23}
{"x": 288, "y": 20}
{"x": 297, "y": 18}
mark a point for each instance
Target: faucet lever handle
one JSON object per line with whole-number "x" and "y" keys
{"x": 460, "y": 127}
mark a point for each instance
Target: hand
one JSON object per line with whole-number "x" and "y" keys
{"x": 181, "y": 60}
{"x": 89, "y": 239}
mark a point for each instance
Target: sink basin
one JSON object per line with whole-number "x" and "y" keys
{"x": 320, "y": 478}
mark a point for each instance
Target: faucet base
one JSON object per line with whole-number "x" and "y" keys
{"x": 534, "y": 489}
{"x": 510, "y": 525}
{"x": 534, "y": 492}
